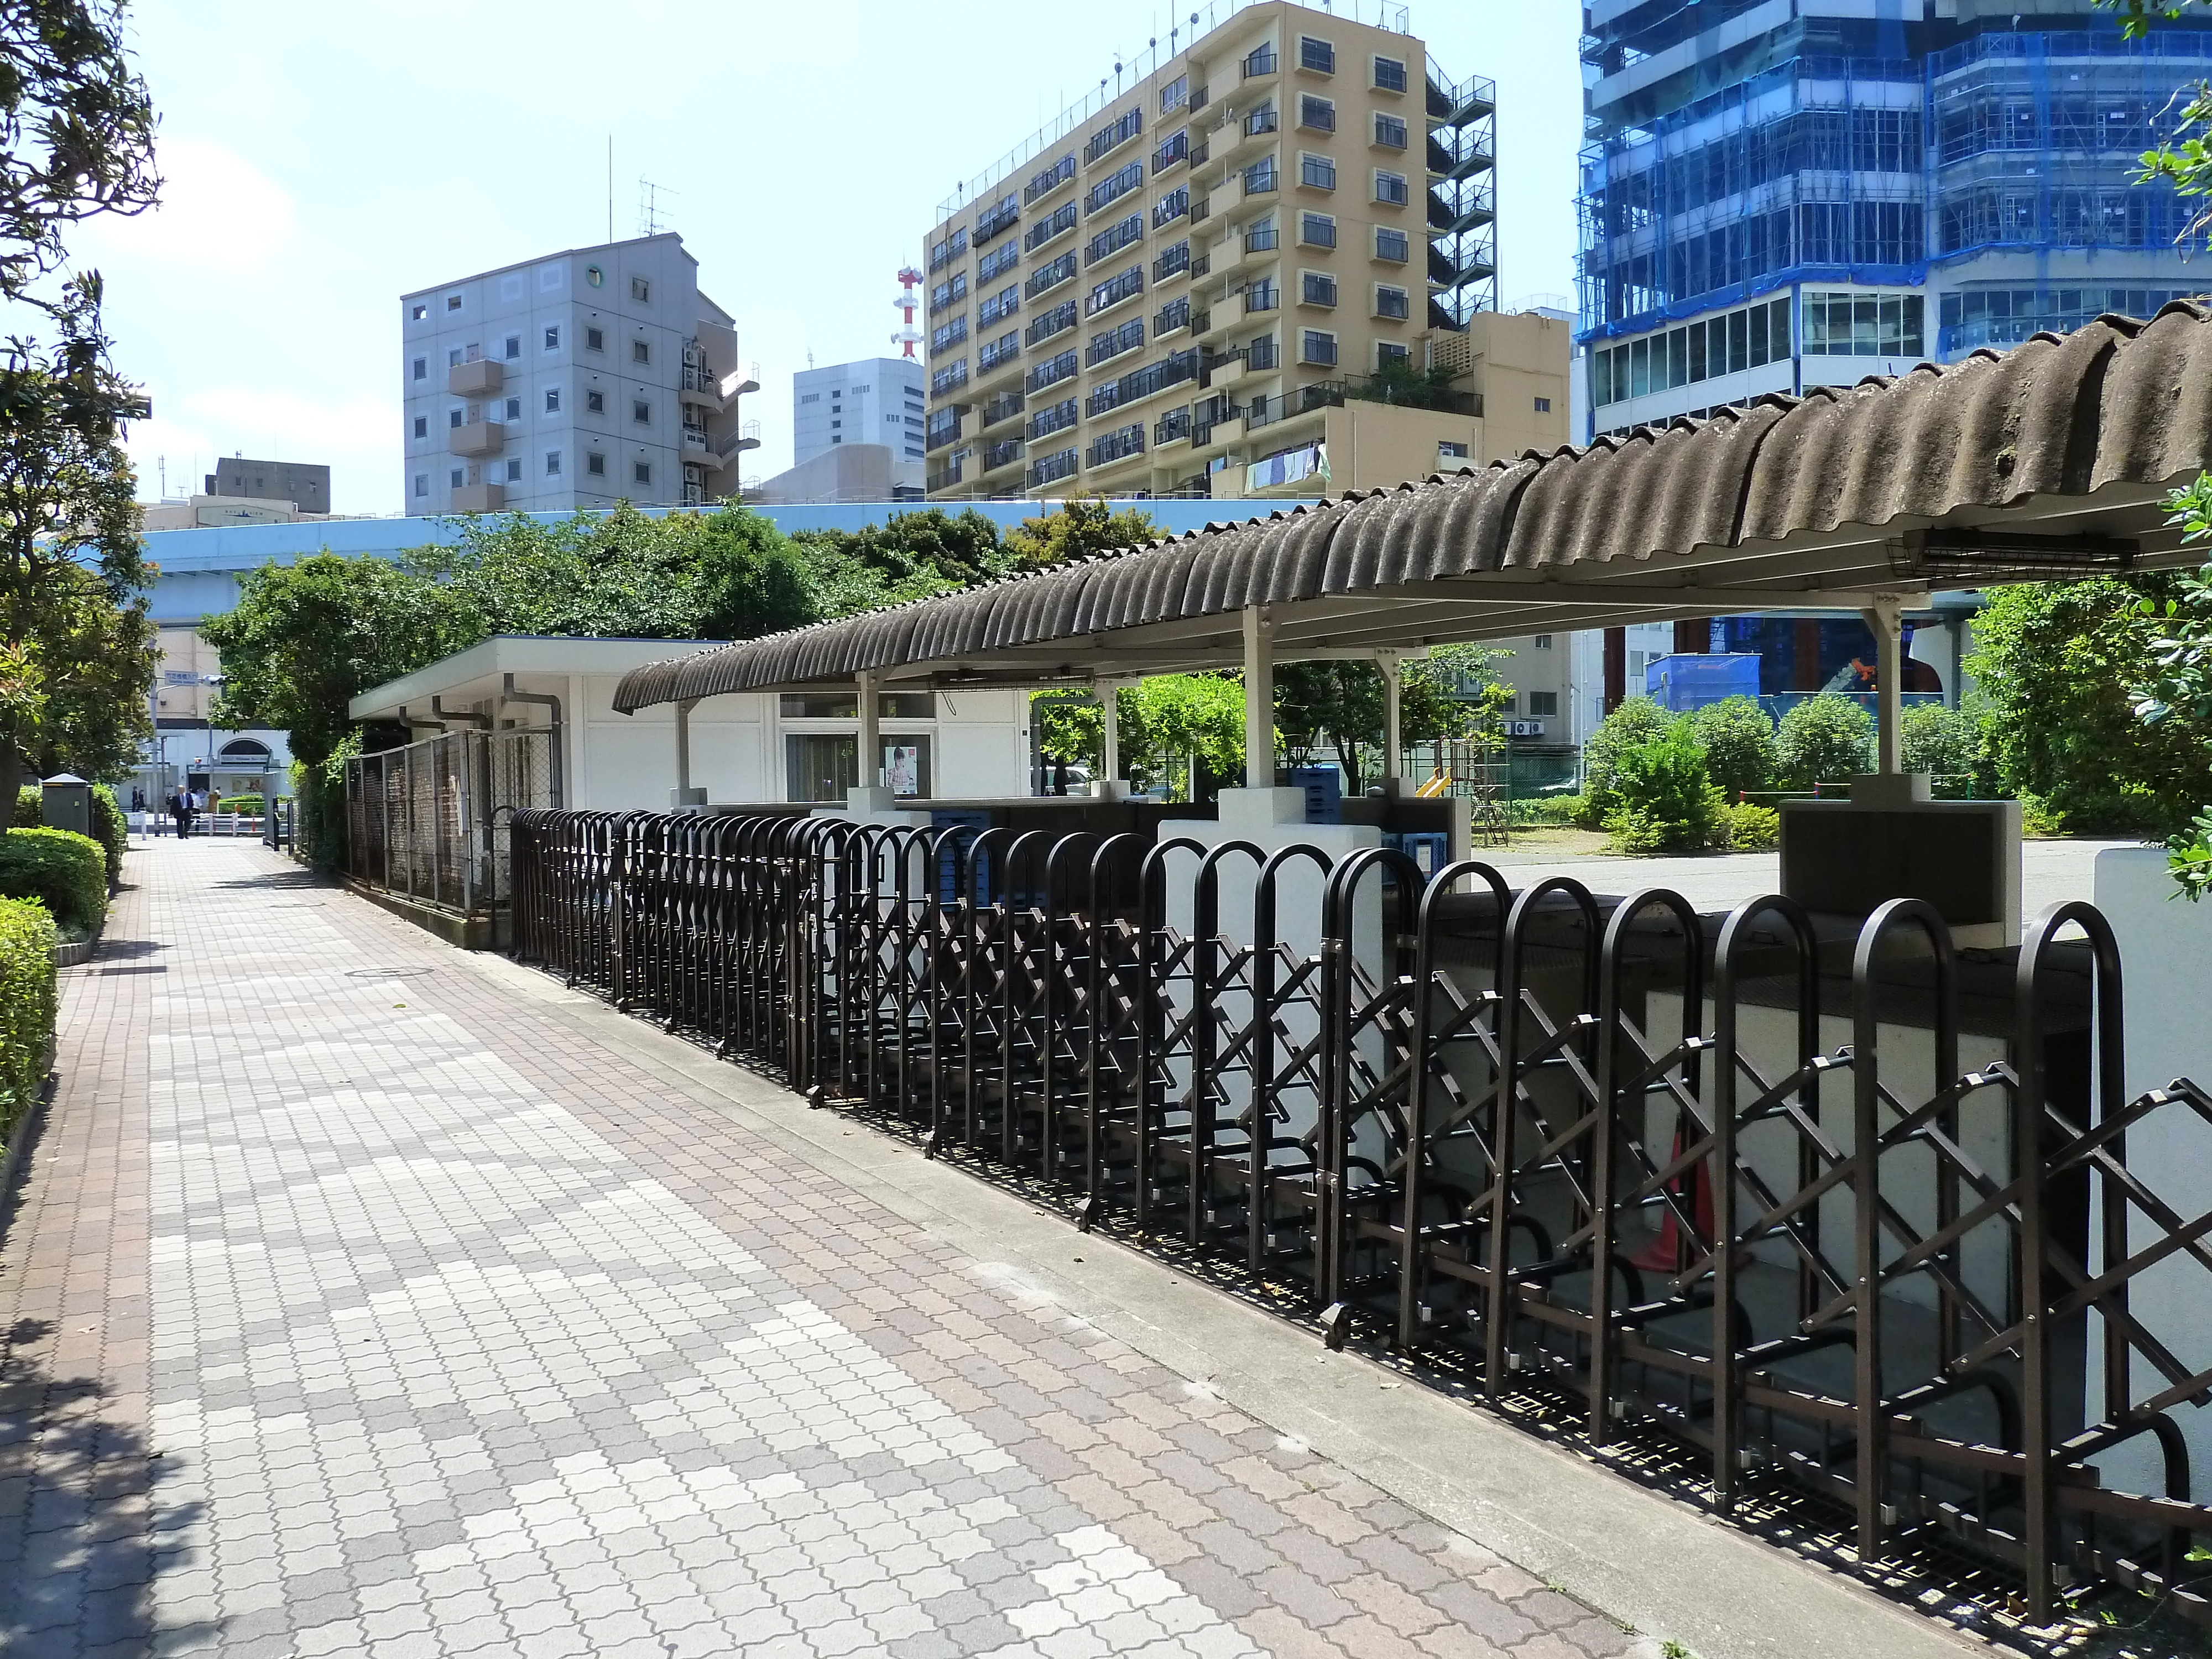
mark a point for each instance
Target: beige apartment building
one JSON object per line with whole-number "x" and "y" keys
{"x": 1267, "y": 267}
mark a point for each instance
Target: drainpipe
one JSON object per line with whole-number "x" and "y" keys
{"x": 481, "y": 722}
{"x": 416, "y": 723}
{"x": 545, "y": 700}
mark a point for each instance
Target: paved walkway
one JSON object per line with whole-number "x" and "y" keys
{"x": 367, "y": 1298}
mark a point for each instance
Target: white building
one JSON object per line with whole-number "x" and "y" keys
{"x": 746, "y": 748}
{"x": 578, "y": 380}
{"x": 877, "y": 400}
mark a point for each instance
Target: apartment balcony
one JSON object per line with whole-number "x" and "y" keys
{"x": 1208, "y": 438}
{"x": 1243, "y": 136}
{"x": 695, "y": 447}
{"x": 1002, "y": 454}
{"x": 1225, "y": 371}
{"x": 944, "y": 477}
{"x": 1260, "y": 65}
{"x": 701, "y": 385}
{"x": 1004, "y": 407}
{"x": 476, "y": 438}
{"x": 480, "y": 378}
{"x": 479, "y": 498}
{"x": 1171, "y": 428}
{"x": 1252, "y": 248}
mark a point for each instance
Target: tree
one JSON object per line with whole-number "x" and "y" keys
{"x": 1824, "y": 740}
{"x": 1076, "y": 530}
{"x": 1339, "y": 702}
{"x": 306, "y": 639}
{"x": 68, "y": 529}
{"x": 1636, "y": 721}
{"x": 1943, "y": 742}
{"x": 2055, "y": 661}
{"x": 1739, "y": 744}
{"x": 99, "y": 660}
{"x": 1176, "y": 717}
{"x": 78, "y": 131}
{"x": 1664, "y": 803}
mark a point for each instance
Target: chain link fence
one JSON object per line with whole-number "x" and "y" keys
{"x": 429, "y": 821}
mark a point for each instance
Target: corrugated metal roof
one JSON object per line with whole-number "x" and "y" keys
{"x": 2105, "y": 414}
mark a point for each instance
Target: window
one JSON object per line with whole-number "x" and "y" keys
{"x": 596, "y": 402}
{"x": 1390, "y": 353}
{"x": 1390, "y": 187}
{"x": 595, "y": 339}
{"x": 422, "y": 369}
{"x": 1389, "y": 75}
{"x": 1316, "y": 171}
{"x": 417, "y": 313}
{"x": 1390, "y": 245}
{"x": 552, "y": 400}
{"x": 1318, "y": 55}
{"x": 835, "y": 426}
{"x": 553, "y": 338}
{"x": 1390, "y": 131}
{"x": 1260, "y": 177}
{"x": 595, "y": 465}
{"x": 454, "y": 417}
{"x": 810, "y": 397}
{"x": 422, "y": 425}
{"x": 1316, "y": 289}
{"x": 453, "y": 302}
{"x": 514, "y": 408}
{"x": 453, "y": 358}
{"x": 1392, "y": 302}
{"x": 1448, "y": 451}
{"x": 421, "y": 484}
{"x": 641, "y": 290}
{"x": 1543, "y": 405}
{"x": 640, "y": 411}
{"x": 514, "y": 472}
{"x": 513, "y": 347}
{"x": 1315, "y": 346}
{"x": 552, "y": 464}
{"x": 1544, "y": 702}
{"x": 454, "y": 478}
{"x": 1318, "y": 113}
{"x": 1316, "y": 230}
{"x": 1543, "y": 641}
{"x": 640, "y": 351}
{"x": 1174, "y": 95}
{"x": 641, "y": 472}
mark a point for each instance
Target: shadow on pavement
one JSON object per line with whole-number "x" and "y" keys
{"x": 78, "y": 1527}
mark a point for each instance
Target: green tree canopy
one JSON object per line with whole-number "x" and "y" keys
{"x": 1824, "y": 740}
{"x": 1076, "y": 530}
{"x": 1738, "y": 743}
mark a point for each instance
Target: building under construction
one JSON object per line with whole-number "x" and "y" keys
{"x": 1778, "y": 196}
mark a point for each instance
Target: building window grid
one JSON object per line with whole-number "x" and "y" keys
{"x": 1316, "y": 230}
{"x": 1389, "y": 131}
{"x": 1392, "y": 246}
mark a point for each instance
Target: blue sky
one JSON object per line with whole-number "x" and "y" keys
{"x": 324, "y": 159}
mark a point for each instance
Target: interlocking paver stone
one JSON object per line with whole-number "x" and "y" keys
{"x": 444, "y": 1330}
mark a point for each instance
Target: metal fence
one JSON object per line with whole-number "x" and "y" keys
{"x": 429, "y": 821}
{"x": 1841, "y": 1221}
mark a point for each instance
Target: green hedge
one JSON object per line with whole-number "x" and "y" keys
{"x": 27, "y": 1006}
{"x": 65, "y": 871}
{"x": 252, "y": 805}
{"x": 110, "y": 828}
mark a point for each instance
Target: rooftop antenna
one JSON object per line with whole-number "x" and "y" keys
{"x": 610, "y": 187}
{"x": 648, "y": 206}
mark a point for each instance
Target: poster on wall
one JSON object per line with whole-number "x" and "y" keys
{"x": 902, "y": 768}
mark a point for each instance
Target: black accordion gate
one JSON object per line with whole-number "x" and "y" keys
{"x": 1595, "y": 1155}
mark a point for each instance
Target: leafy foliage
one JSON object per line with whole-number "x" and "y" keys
{"x": 1663, "y": 801}
{"x": 1638, "y": 719}
{"x": 2056, "y": 661}
{"x": 1738, "y": 743}
{"x": 76, "y": 131}
{"x": 27, "y": 1005}
{"x": 1748, "y": 827}
{"x": 74, "y": 649}
{"x": 63, "y": 871}
{"x": 1076, "y": 530}
{"x": 109, "y": 826}
{"x": 1824, "y": 740}
{"x": 1946, "y": 742}
{"x": 1173, "y": 717}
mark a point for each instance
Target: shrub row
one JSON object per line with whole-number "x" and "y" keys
{"x": 62, "y": 870}
{"x": 110, "y": 827}
{"x": 27, "y": 1004}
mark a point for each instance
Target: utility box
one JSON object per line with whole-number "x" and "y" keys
{"x": 1324, "y": 792}
{"x": 65, "y": 803}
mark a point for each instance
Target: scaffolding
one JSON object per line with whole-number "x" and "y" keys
{"x": 1878, "y": 171}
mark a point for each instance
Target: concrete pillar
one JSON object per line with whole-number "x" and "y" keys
{"x": 1259, "y": 699}
{"x": 1109, "y": 711}
{"x": 871, "y": 737}
{"x": 684, "y": 794}
{"x": 1394, "y": 740}
{"x": 1885, "y": 617}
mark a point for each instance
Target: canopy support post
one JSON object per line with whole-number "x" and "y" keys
{"x": 1393, "y": 736}
{"x": 1885, "y": 618}
{"x": 1258, "y": 698}
{"x": 1109, "y": 693}
{"x": 684, "y": 796}
{"x": 871, "y": 736}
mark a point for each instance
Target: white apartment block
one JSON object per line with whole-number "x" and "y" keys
{"x": 877, "y": 400}
{"x": 587, "y": 377}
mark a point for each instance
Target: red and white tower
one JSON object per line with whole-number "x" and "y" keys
{"x": 907, "y": 337}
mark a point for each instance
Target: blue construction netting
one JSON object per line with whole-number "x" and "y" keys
{"x": 1877, "y": 171}
{"x": 1682, "y": 683}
